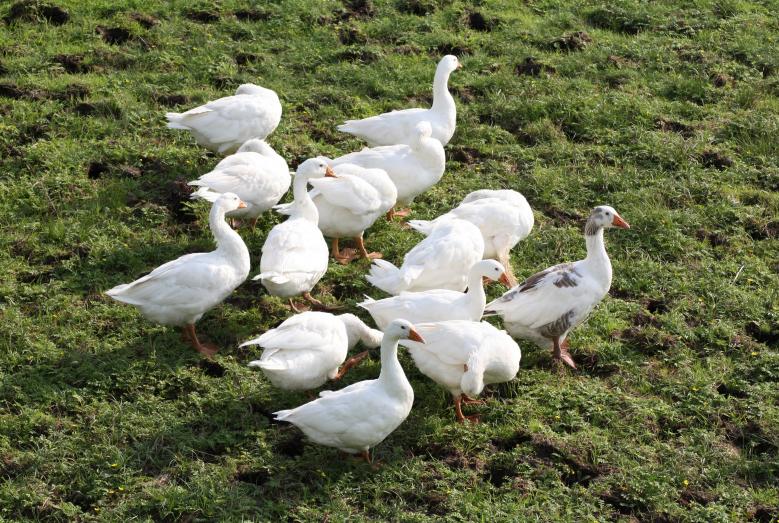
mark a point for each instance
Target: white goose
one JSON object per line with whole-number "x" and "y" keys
{"x": 181, "y": 291}
{"x": 463, "y": 357}
{"x": 349, "y": 204}
{"x": 413, "y": 168}
{"x": 438, "y": 304}
{"x": 548, "y": 305}
{"x": 397, "y": 126}
{"x": 307, "y": 349}
{"x": 360, "y": 416}
{"x": 294, "y": 256}
{"x": 256, "y": 173}
{"x": 440, "y": 261}
{"x": 224, "y": 124}
{"x": 503, "y": 223}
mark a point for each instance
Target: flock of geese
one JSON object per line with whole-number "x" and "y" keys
{"x": 438, "y": 287}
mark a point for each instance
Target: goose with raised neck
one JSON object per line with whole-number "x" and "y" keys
{"x": 294, "y": 255}
{"x": 362, "y": 415}
{"x": 547, "y": 306}
{"x": 181, "y": 291}
{"x": 439, "y": 304}
{"x": 397, "y": 127}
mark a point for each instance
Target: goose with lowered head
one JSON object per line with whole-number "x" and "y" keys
{"x": 398, "y": 126}
{"x": 362, "y": 415}
{"x": 307, "y": 349}
{"x": 223, "y": 125}
{"x": 294, "y": 256}
{"x": 181, "y": 291}
{"x": 464, "y": 356}
{"x": 349, "y": 204}
{"x": 438, "y": 304}
{"x": 256, "y": 173}
{"x": 413, "y": 168}
{"x": 503, "y": 219}
{"x": 547, "y": 306}
{"x": 440, "y": 261}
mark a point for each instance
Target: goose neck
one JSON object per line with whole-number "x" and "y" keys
{"x": 442, "y": 100}
{"x": 597, "y": 257}
{"x": 391, "y": 372}
{"x": 475, "y": 297}
{"x": 304, "y": 206}
{"x": 227, "y": 240}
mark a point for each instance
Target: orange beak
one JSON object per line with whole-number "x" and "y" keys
{"x": 504, "y": 279}
{"x": 241, "y": 205}
{"x": 414, "y": 336}
{"x": 459, "y": 65}
{"x": 619, "y": 222}
{"x": 329, "y": 173}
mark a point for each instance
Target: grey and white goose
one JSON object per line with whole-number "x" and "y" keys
{"x": 547, "y": 306}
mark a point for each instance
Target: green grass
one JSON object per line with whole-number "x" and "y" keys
{"x": 666, "y": 110}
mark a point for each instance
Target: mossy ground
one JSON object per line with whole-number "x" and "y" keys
{"x": 668, "y": 111}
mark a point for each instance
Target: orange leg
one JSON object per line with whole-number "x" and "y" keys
{"x": 207, "y": 349}
{"x": 458, "y": 411}
{"x": 365, "y": 254}
{"x": 342, "y": 256}
{"x": 348, "y": 364}
{"x": 560, "y": 353}
{"x": 318, "y": 304}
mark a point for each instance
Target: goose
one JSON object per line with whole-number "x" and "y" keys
{"x": 440, "y": 261}
{"x": 181, "y": 291}
{"x": 547, "y": 306}
{"x": 438, "y": 304}
{"x": 508, "y": 195}
{"x": 256, "y": 173}
{"x": 349, "y": 204}
{"x": 362, "y": 415}
{"x": 463, "y": 356}
{"x": 413, "y": 168}
{"x": 294, "y": 255}
{"x": 503, "y": 223}
{"x": 224, "y": 124}
{"x": 307, "y": 349}
{"x": 397, "y": 126}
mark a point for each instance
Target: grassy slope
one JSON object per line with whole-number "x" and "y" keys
{"x": 669, "y": 113}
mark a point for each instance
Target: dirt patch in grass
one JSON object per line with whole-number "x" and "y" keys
{"x": 532, "y": 67}
{"x": 417, "y": 7}
{"x": 73, "y": 64}
{"x": 37, "y": 11}
{"x": 144, "y": 20}
{"x": 202, "y": 15}
{"x": 715, "y": 159}
{"x": 463, "y": 154}
{"x": 512, "y": 441}
{"x": 716, "y": 239}
{"x": 351, "y": 35}
{"x": 760, "y": 230}
{"x": 246, "y": 58}
{"x": 675, "y": 127}
{"x": 452, "y": 48}
{"x": 763, "y": 333}
{"x": 253, "y": 476}
{"x": 114, "y": 35}
{"x": 562, "y": 217}
{"x": 478, "y": 22}
{"x": 172, "y": 99}
{"x": 569, "y": 42}
{"x": 252, "y": 15}
{"x": 361, "y": 9}
{"x": 211, "y": 368}
{"x": 720, "y": 80}
{"x": 291, "y": 446}
{"x": 96, "y": 170}
{"x": 731, "y": 391}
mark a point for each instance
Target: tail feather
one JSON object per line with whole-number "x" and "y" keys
{"x": 267, "y": 365}
{"x": 472, "y": 382}
{"x": 204, "y": 193}
{"x": 284, "y": 208}
{"x": 385, "y": 276}
{"x": 273, "y": 277}
{"x": 175, "y": 121}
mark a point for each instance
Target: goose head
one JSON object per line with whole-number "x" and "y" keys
{"x": 492, "y": 270}
{"x": 314, "y": 168}
{"x": 251, "y": 89}
{"x": 604, "y": 217}
{"x": 402, "y": 330}
{"x": 449, "y": 63}
{"x": 229, "y": 202}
